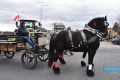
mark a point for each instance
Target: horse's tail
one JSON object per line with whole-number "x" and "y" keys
{"x": 51, "y": 51}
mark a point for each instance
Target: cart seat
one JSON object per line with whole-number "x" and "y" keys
{"x": 20, "y": 40}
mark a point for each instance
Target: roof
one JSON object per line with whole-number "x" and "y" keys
{"x": 27, "y": 20}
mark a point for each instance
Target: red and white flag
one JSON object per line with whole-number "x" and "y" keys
{"x": 16, "y": 17}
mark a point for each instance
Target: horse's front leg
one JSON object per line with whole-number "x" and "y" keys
{"x": 56, "y": 68}
{"x": 62, "y": 60}
{"x": 83, "y": 64}
{"x": 91, "y": 55}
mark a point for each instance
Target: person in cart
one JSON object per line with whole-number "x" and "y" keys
{"x": 25, "y": 35}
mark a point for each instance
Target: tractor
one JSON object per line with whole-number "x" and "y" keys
{"x": 32, "y": 26}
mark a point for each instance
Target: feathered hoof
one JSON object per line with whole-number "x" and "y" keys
{"x": 56, "y": 70}
{"x": 90, "y": 73}
{"x": 62, "y": 61}
{"x": 83, "y": 64}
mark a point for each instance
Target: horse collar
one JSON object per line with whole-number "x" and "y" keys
{"x": 70, "y": 36}
{"x": 83, "y": 36}
{"x": 94, "y": 31}
{"x": 92, "y": 39}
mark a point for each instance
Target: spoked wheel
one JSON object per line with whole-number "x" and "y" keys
{"x": 43, "y": 54}
{"x": 29, "y": 60}
{"x": 9, "y": 54}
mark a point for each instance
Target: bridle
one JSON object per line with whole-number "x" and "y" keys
{"x": 95, "y": 31}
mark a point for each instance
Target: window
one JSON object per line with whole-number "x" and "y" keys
{"x": 29, "y": 24}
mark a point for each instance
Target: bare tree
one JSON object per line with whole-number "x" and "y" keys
{"x": 116, "y": 28}
{"x": 118, "y": 19}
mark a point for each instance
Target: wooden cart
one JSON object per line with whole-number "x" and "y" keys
{"x": 8, "y": 46}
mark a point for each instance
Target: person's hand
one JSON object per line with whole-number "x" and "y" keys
{"x": 30, "y": 33}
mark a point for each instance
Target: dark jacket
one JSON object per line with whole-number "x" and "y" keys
{"x": 22, "y": 31}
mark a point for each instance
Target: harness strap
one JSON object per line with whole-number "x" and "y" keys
{"x": 92, "y": 39}
{"x": 70, "y": 36}
{"x": 55, "y": 35}
{"x": 83, "y": 36}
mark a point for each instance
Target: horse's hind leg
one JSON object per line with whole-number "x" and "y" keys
{"x": 55, "y": 66}
{"x": 62, "y": 60}
{"x": 83, "y": 64}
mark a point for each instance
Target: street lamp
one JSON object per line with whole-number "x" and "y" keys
{"x": 41, "y": 13}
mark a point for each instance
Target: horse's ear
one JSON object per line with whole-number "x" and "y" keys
{"x": 106, "y": 18}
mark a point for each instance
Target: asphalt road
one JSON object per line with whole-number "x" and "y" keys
{"x": 107, "y": 55}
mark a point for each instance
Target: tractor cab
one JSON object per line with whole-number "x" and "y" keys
{"x": 33, "y": 24}
{"x": 58, "y": 26}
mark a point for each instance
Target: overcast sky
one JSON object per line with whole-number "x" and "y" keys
{"x": 74, "y": 13}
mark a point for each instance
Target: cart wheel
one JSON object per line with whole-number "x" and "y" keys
{"x": 9, "y": 54}
{"x": 29, "y": 60}
{"x": 44, "y": 54}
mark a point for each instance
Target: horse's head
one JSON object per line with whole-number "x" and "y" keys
{"x": 100, "y": 24}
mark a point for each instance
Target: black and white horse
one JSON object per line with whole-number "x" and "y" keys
{"x": 86, "y": 40}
